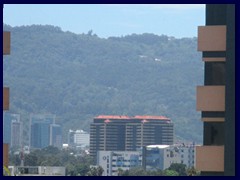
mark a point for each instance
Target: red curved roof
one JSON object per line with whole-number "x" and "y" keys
{"x": 110, "y": 117}
{"x": 151, "y": 117}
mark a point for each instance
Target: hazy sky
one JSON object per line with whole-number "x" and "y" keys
{"x": 178, "y": 20}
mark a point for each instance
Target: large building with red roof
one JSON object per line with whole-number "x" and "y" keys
{"x": 124, "y": 133}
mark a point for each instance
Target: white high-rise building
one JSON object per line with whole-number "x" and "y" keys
{"x": 16, "y": 133}
{"x": 12, "y": 129}
{"x": 81, "y": 138}
{"x": 78, "y": 138}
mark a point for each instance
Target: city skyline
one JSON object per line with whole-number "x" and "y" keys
{"x": 136, "y": 128}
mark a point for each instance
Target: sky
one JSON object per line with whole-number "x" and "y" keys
{"x": 106, "y": 20}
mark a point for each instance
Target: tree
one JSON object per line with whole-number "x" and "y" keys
{"x": 90, "y": 32}
{"x": 82, "y": 169}
{"x": 50, "y": 156}
{"x": 168, "y": 172}
{"x": 192, "y": 172}
{"x": 138, "y": 171}
{"x": 179, "y": 168}
{"x": 31, "y": 160}
{"x": 120, "y": 172}
{"x": 95, "y": 171}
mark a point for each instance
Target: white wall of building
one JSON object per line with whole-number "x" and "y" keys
{"x": 182, "y": 154}
{"x": 81, "y": 138}
{"x": 78, "y": 138}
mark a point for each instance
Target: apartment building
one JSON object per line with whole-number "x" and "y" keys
{"x": 124, "y": 133}
{"x": 216, "y": 99}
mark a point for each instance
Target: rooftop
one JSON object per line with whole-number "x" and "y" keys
{"x": 111, "y": 117}
{"x": 158, "y": 146}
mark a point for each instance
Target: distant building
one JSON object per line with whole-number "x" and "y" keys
{"x": 124, "y": 133}
{"x": 7, "y": 119}
{"x": 78, "y": 138}
{"x": 56, "y": 135}
{"x": 16, "y": 134}
{"x": 81, "y": 138}
{"x": 71, "y": 138}
{"x": 37, "y": 171}
{"x": 44, "y": 131}
{"x": 162, "y": 156}
{"x": 12, "y": 129}
{"x": 112, "y": 161}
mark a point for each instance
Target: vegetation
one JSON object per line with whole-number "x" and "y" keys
{"x": 79, "y": 76}
{"x": 52, "y": 156}
{"x": 174, "y": 170}
{"x": 6, "y": 171}
{"x": 95, "y": 171}
{"x": 81, "y": 165}
{"x": 179, "y": 168}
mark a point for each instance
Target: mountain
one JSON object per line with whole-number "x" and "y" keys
{"x": 79, "y": 76}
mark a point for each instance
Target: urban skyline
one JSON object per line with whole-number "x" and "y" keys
{"x": 126, "y": 145}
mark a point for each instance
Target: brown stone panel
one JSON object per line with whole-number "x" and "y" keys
{"x": 211, "y": 119}
{"x": 5, "y": 98}
{"x": 210, "y": 158}
{"x": 210, "y": 98}
{"x": 214, "y": 59}
{"x": 6, "y": 43}
{"x": 212, "y": 38}
{"x": 5, "y": 155}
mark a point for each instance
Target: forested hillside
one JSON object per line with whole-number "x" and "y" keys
{"x": 79, "y": 76}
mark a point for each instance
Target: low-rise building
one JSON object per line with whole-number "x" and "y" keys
{"x": 37, "y": 170}
{"x": 162, "y": 156}
{"x": 112, "y": 161}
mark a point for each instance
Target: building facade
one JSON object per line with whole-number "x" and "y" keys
{"x": 78, "y": 138}
{"x": 37, "y": 170}
{"x": 162, "y": 156}
{"x": 216, "y": 99}
{"x": 7, "y": 119}
{"x": 6, "y": 91}
{"x": 56, "y": 135}
{"x": 12, "y": 129}
{"x": 112, "y": 161}
{"x": 16, "y": 134}
{"x": 44, "y": 132}
{"x": 124, "y": 133}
